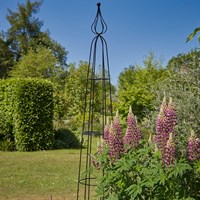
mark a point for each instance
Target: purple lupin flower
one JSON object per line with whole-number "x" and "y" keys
{"x": 169, "y": 151}
{"x": 170, "y": 119}
{"x": 133, "y": 134}
{"x": 165, "y": 126}
{"x": 198, "y": 148}
{"x": 160, "y": 128}
{"x": 111, "y": 142}
{"x": 161, "y": 117}
{"x": 95, "y": 163}
{"x": 116, "y": 139}
{"x": 106, "y": 134}
{"x": 193, "y": 147}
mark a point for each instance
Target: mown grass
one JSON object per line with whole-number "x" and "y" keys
{"x": 38, "y": 175}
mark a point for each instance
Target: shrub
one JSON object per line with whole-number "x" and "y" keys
{"x": 7, "y": 145}
{"x": 136, "y": 84}
{"x": 27, "y": 106}
{"x": 183, "y": 86}
{"x": 65, "y": 139}
{"x": 6, "y": 113}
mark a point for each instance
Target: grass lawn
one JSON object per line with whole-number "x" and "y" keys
{"x": 38, "y": 175}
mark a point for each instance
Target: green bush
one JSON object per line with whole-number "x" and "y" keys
{"x": 6, "y": 110}
{"x": 7, "y": 145}
{"x": 65, "y": 139}
{"x": 183, "y": 86}
{"x": 27, "y": 109}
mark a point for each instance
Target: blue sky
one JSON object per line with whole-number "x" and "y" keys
{"x": 135, "y": 27}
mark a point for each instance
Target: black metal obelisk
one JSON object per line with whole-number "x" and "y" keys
{"x": 97, "y": 107}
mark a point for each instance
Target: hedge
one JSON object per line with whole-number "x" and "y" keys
{"x": 6, "y": 110}
{"x": 27, "y": 109}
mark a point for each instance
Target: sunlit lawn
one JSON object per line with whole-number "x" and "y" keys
{"x": 38, "y": 175}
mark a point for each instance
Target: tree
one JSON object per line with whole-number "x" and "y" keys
{"x": 183, "y": 62}
{"x": 75, "y": 91}
{"x": 24, "y": 27}
{"x": 75, "y": 87}
{"x": 6, "y": 59}
{"x": 136, "y": 84}
{"x": 39, "y": 63}
{"x": 25, "y": 32}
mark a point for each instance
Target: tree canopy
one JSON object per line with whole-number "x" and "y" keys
{"x": 136, "y": 85}
{"x": 38, "y": 63}
{"x": 6, "y": 59}
{"x": 25, "y": 32}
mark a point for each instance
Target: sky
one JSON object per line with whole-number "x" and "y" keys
{"x": 135, "y": 28}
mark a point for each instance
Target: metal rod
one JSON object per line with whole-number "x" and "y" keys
{"x": 98, "y": 27}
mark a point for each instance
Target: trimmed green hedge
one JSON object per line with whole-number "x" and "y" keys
{"x": 27, "y": 109}
{"x": 6, "y": 110}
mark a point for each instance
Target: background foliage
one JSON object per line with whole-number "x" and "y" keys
{"x": 6, "y": 58}
{"x": 38, "y": 63}
{"x": 136, "y": 84}
{"x": 25, "y": 32}
{"x": 26, "y": 50}
{"x": 183, "y": 85}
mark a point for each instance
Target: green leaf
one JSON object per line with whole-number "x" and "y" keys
{"x": 131, "y": 189}
{"x": 193, "y": 34}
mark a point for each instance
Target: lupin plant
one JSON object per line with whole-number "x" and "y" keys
{"x": 106, "y": 134}
{"x": 100, "y": 146}
{"x": 198, "y": 148}
{"x": 160, "y": 138}
{"x": 169, "y": 151}
{"x": 111, "y": 143}
{"x": 171, "y": 118}
{"x": 193, "y": 147}
{"x": 166, "y": 122}
{"x": 116, "y": 139}
{"x": 133, "y": 134}
{"x": 151, "y": 171}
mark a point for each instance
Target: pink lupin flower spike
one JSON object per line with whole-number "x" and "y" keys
{"x": 133, "y": 134}
{"x": 169, "y": 151}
